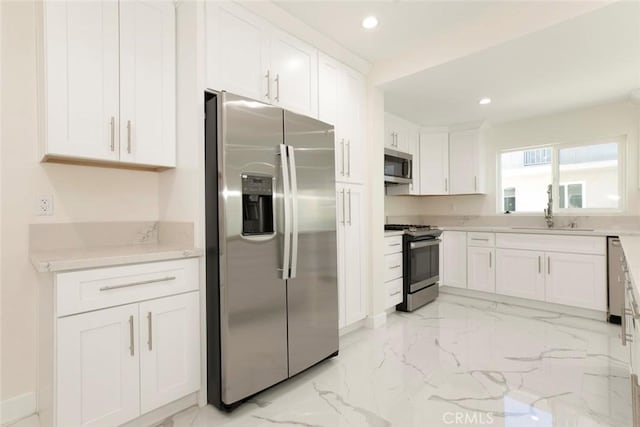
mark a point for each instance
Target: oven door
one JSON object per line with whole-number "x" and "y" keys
{"x": 423, "y": 263}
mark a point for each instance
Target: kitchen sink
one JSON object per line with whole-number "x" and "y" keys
{"x": 552, "y": 229}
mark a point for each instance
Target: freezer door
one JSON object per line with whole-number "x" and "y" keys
{"x": 312, "y": 290}
{"x": 253, "y": 311}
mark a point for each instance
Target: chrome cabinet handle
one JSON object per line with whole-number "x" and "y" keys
{"x": 150, "y": 341}
{"x": 132, "y": 348}
{"x": 395, "y": 244}
{"x": 142, "y": 282}
{"x": 548, "y": 265}
{"x": 342, "y": 148}
{"x": 490, "y": 260}
{"x": 268, "y": 77}
{"x": 395, "y": 293}
{"x": 539, "y": 264}
{"x": 277, "y": 80}
{"x": 349, "y": 207}
{"x": 129, "y": 136}
{"x": 395, "y": 266}
{"x": 348, "y": 150}
{"x": 113, "y": 133}
{"x": 344, "y": 204}
{"x": 475, "y": 183}
{"x": 480, "y": 240}
{"x": 446, "y": 185}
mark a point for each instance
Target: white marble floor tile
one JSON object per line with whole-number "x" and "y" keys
{"x": 457, "y": 361}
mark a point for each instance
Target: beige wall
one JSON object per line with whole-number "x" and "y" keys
{"x": 80, "y": 194}
{"x": 586, "y": 124}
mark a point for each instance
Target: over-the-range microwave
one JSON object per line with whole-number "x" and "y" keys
{"x": 398, "y": 167}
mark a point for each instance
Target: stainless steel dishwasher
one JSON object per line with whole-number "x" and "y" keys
{"x": 615, "y": 283}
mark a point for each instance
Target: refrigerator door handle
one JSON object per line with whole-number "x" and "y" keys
{"x": 294, "y": 210}
{"x": 286, "y": 196}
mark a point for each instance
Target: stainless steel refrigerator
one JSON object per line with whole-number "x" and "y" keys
{"x": 271, "y": 267}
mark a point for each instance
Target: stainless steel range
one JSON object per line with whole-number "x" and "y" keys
{"x": 421, "y": 260}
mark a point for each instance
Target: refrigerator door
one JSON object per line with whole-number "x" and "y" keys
{"x": 312, "y": 290}
{"x": 253, "y": 311}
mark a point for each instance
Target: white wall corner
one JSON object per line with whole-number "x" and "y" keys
{"x": 17, "y": 407}
{"x": 373, "y": 322}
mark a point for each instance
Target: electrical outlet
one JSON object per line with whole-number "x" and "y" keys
{"x": 44, "y": 206}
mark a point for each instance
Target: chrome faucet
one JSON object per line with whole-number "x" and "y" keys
{"x": 548, "y": 212}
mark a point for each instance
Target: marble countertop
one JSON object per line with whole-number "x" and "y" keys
{"x": 391, "y": 233}
{"x": 81, "y": 258}
{"x": 534, "y": 230}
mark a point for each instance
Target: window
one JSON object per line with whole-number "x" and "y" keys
{"x": 583, "y": 177}
{"x": 510, "y": 199}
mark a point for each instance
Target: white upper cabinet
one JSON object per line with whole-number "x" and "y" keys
{"x": 294, "y": 73}
{"x": 433, "y": 163}
{"x": 147, "y": 82}
{"x": 396, "y": 133}
{"x": 248, "y": 56}
{"x": 341, "y": 103}
{"x": 109, "y": 81}
{"x": 465, "y": 162}
{"x": 237, "y": 51}
{"x": 80, "y": 47}
{"x": 402, "y": 135}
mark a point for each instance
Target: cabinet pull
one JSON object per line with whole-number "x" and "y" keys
{"x": 129, "y": 136}
{"x": 490, "y": 260}
{"x": 132, "y": 349}
{"x": 395, "y": 293}
{"x": 268, "y": 77}
{"x": 277, "y": 80}
{"x": 150, "y": 341}
{"x": 549, "y": 265}
{"x": 342, "y": 148}
{"x": 446, "y": 185}
{"x": 112, "y": 124}
{"x": 395, "y": 244}
{"x": 349, "y": 207}
{"x": 348, "y": 150}
{"x": 475, "y": 183}
{"x": 539, "y": 264}
{"x": 344, "y": 204}
{"x": 142, "y": 282}
{"x": 480, "y": 240}
{"x": 395, "y": 266}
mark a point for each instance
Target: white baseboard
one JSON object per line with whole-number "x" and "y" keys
{"x": 376, "y": 321}
{"x": 17, "y": 407}
{"x": 352, "y": 327}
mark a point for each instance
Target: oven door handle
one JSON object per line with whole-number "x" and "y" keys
{"x": 431, "y": 242}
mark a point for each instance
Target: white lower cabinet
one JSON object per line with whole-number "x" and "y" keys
{"x": 481, "y": 269}
{"x": 454, "y": 259}
{"x": 169, "y": 349}
{"x": 98, "y": 368}
{"x": 393, "y": 270}
{"x": 577, "y": 279}
{"x": 351, "y": 256}
{"x": 520, "y": 273}
{"x": 114, "y": 364}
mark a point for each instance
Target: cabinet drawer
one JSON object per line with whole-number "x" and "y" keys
{"x": 392, "y": 266}
{"x": 394, "y": 292}
{"x": 392, "y": 245}
{"x": 86, "y": 290}
{"x": 481, "y": 239}
{"x": 538, "y": 242}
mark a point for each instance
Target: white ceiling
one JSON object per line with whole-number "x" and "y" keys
{"x": 589, "y": 59}
{"x": 414, "y": 26}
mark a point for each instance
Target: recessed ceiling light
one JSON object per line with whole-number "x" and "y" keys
{"x": 369, "y": 22}
{"x": 484, "y": 101}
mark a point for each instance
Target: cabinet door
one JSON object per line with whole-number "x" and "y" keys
{"x": 463, "y": 162}
{"x": 520, "y": 273}
{"x": 237, "y": 51}
{"x": 454, "y": 245}
{"x": 98, "y": 368}
{"x": 434, "y": 163}
{"x": 354, "y": 256}
{"x": 341, "y": 235}
{"x": 169, "y": 349}
{"x": 390, "y": 131}
{"x": 147, "y": 86}
{"x": 351, "y": 123}
{"x": 81, "y": 57}
{"x": 329, "y": 82}
{"x": 481, "y": 269}
{"x": 294, "y": 70}
{"x": 577, "y": 280}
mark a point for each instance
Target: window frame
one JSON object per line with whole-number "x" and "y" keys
{"x": 620, "y": 140}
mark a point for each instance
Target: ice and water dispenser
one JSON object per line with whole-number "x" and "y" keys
{"x": 257, "y": 205}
